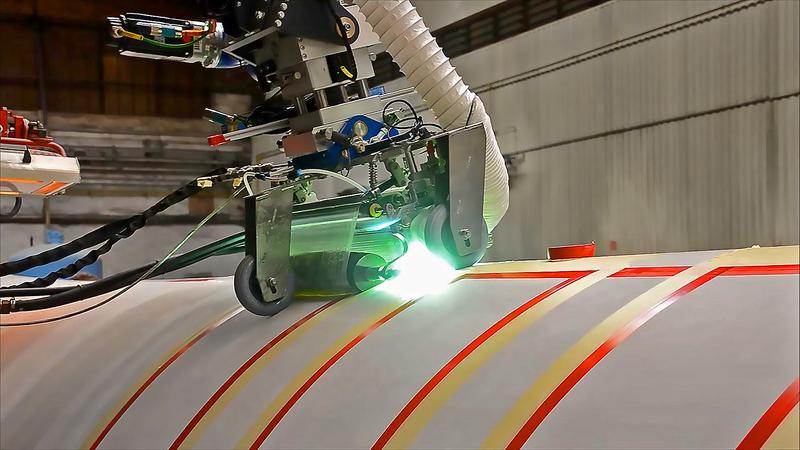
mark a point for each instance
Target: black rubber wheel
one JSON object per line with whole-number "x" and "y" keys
{"x": 249, "y": 294}
{"x": 439, "y": 238}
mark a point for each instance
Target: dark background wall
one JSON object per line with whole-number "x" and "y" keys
{"x": 55, "y": 58}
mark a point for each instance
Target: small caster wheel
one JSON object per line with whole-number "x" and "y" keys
{"x": 249, "y": 294}
{"x": 439, "y": 238}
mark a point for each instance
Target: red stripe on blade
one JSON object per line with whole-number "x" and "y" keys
{"x": 239, "y": 372}
{"x": 462, "y": 355}
{"x": 316, "y": 376}
{"x": 604, "y": 349}
{"x": 525, "y": 275}
{"x": 772, "y": 418}
{"x": 635, "y": 272}
{"x": 775, "y": 269}
{"x": 155, "y": 375}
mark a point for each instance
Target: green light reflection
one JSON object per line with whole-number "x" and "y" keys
{"x": 417, "y": 273}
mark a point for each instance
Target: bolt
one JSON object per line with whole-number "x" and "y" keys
{"x": 278, "y": 23}
{"x": 272, "y": 283}
{"x": 284, "y": 6}
{"x": 297, "y": 75}
{"x": 260, "y": 15}
{"x": 281, "y": 14}
{"x": 324, "y": 136}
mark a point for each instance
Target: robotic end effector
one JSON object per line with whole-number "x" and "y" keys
{"x": 31, "y": 162}
{"x": 280, "y": 42}
{"x": 349, "y": 243}
{"x": 310, "y": 51}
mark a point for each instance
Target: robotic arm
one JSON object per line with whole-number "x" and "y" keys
{"x": 302, "y": 46}
{"x": 447, "y": 186}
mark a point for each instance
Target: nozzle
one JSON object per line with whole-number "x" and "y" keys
{"x": 388, "y": 273}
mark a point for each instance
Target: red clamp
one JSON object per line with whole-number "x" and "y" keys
{"x": 217, "y": 140}
{"x": 26, "y": 132}
{"x": 571, "y": 251}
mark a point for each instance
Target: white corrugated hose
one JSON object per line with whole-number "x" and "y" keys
{"x": 420, "y": 58}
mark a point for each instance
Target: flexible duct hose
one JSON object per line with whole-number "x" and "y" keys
{"x": 420, "y": 58}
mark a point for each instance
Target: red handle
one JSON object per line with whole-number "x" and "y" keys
{"x": 50, "y": 145}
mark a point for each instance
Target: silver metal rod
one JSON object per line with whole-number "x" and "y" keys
{"x": 343, "y": 93}
{"x": 410, "y": 161}
{"x": 362, "y": 88}
{"x": 322, "y": 98}
{"x": 300, "y": 104}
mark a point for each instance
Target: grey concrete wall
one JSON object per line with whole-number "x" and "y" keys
{"x": 440, "y": 13}
{"x": 659, "y": 125}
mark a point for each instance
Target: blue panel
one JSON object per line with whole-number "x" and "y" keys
{"x": 331, "y": 158}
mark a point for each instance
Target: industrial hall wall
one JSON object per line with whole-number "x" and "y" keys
{"x": 648, "y": 127}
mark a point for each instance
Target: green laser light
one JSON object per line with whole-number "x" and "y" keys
{"x": 417, "y": 273}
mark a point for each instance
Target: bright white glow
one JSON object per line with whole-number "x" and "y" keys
{"x": 418, "y": 272}
{"x": 382, "y": 225}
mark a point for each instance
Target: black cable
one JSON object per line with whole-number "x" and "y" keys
{"x": 471, "y": 108}
{"x": 386, "y": 143}
{"x": 343, "y": 33}
{"x": 30, "y": 292}
{"x": 123, "y": 227}
{"x": 72, "y": 294}
{"x": 398, "y": 100}
{"x": 90, "y": 239}
{"x": 414, "y": 129}
{"x": 417, "y": 123}
{"x": 426, "y": 124}
{"x": 179, "y": 262}
{"x": 70, "y": 269}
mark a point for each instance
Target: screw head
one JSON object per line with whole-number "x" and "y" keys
{"x": 272, "y": 284}
{"x": 360, "y": 128}
{"x": 260, "y": 15}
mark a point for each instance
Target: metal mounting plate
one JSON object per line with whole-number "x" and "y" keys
{"x": 467, "y": 163}
{"x": 273, "y": 223}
